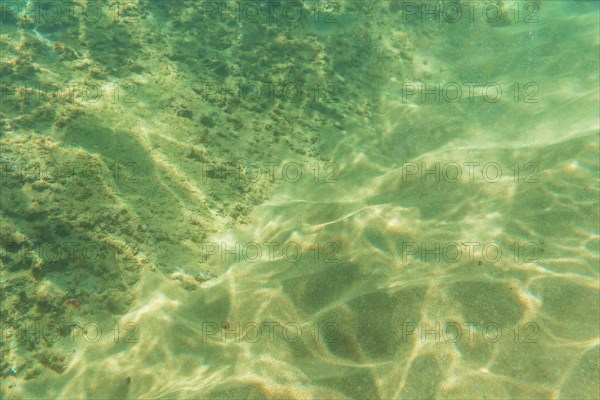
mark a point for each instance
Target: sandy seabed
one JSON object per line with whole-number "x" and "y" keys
{"x": 356, "y": 201}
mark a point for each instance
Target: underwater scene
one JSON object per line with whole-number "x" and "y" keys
{"x": 299, "y": 199}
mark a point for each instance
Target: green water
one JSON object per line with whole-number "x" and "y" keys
{"x": 301, "y": 200}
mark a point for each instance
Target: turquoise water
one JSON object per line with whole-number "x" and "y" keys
{"x": 308, "y": 200}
